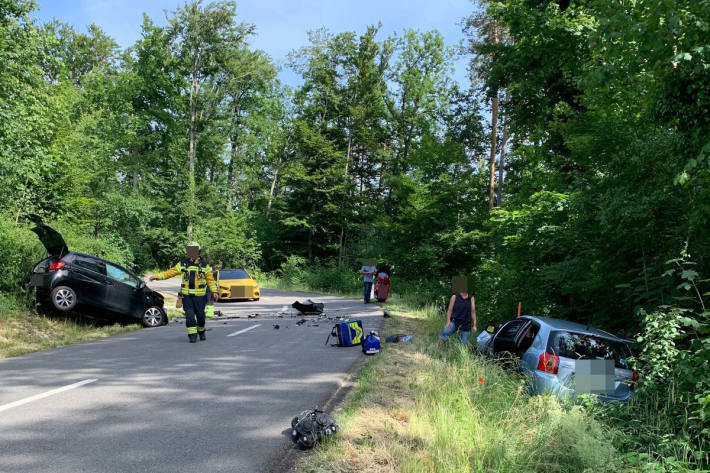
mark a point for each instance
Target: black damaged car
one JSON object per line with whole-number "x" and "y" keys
{"x": 71, "y": 280}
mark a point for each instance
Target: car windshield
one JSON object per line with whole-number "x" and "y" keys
{"x": 582, "y": 346}
{"x": 233, "y": 274}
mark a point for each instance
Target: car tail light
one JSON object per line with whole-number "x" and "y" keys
{"x": 56, "y": 265}
{"x": 549, "y": 363}
{"x": 634, "y": 380}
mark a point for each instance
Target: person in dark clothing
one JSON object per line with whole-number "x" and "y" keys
{"x": 368, "y": 276}
{"x": 460, "y": 316}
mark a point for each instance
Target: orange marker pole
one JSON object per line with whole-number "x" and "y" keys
{"x": 520, "y": 308}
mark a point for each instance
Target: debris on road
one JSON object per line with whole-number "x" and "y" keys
{"x": 311, "y": 426}
{"x": 277, "y": 326}
{"x": 309, "y": 307}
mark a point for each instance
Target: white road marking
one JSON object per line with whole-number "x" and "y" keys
{"x": 245, "y": 330}
{"x": 36, "y": 397}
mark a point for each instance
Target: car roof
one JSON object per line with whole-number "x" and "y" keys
{"x": 559, "y": 324}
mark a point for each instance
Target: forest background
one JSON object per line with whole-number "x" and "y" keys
{"x": 573, "y": 174}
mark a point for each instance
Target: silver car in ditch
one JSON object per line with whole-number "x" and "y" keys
{"x": 563, "y": 358}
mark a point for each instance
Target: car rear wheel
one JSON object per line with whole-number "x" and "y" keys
{"x": 63, "y": 298}
{"x": 153, "y": 316}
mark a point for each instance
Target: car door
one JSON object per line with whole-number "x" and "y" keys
{"x": 505, "y": 340}
{"x": 123, "y": 291}
{"x": 88, "y": 276}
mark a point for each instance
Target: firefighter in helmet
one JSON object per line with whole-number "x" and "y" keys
{"x": 196, "y": 279}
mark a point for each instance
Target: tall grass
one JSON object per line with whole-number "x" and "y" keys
{"x": 418, "y": 409}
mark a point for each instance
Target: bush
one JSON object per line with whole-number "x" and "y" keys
{"x": 296, "y": 271}
{"x": 108, "y": 246}
{"x": 19, "y": 250}
{"x": 671, "y": 415}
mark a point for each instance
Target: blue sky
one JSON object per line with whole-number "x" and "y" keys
{"x": 281, "y": 24}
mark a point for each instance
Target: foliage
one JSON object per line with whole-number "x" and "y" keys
{"x": 19, "y": 251}
{"x": 675, "y": 361}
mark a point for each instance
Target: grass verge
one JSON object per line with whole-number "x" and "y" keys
{"x": 418, "y": 409}
{"x": 23, "y": 331}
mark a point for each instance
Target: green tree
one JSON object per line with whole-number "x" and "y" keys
{"x": 201, "y": 39}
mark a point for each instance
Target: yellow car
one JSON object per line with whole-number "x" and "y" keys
{"x": 237, "y": 284}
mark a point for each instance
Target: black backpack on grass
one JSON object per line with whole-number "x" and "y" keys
{"x": 311, "y": 426}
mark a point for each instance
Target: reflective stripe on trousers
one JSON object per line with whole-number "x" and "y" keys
{"x": 194, "y": 307}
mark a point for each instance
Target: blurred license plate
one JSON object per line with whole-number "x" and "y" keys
{"x": 594, "y": 377}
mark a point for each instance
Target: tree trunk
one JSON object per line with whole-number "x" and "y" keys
{"x": 501, "y": 163}
{"x": 341, "y": 253}
{"x": 272, "y": 191}
{"x": 230, "y": 170}
{"x": 234, "y": 141}
{"x": 494, "y": 136}
{"x": 345, "y": 178}
{"x": 492, "y": 160}
{"x": 194, "y": 88}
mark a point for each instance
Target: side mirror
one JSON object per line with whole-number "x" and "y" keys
{"x": 490, "y": 329}
{"x": 141, "y": 284}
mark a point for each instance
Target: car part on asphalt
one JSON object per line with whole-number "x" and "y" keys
{"x": 309, "y": 307}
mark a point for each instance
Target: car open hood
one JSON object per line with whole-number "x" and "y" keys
{"x": 52, "y": 240}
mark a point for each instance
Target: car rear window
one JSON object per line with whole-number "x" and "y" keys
{"x": 233, "y": 274}
{"x": 90, "y": 264}
{"x": 582, "y": 346}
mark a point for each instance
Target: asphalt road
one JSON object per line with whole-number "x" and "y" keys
{"x": 149, "y": 401}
